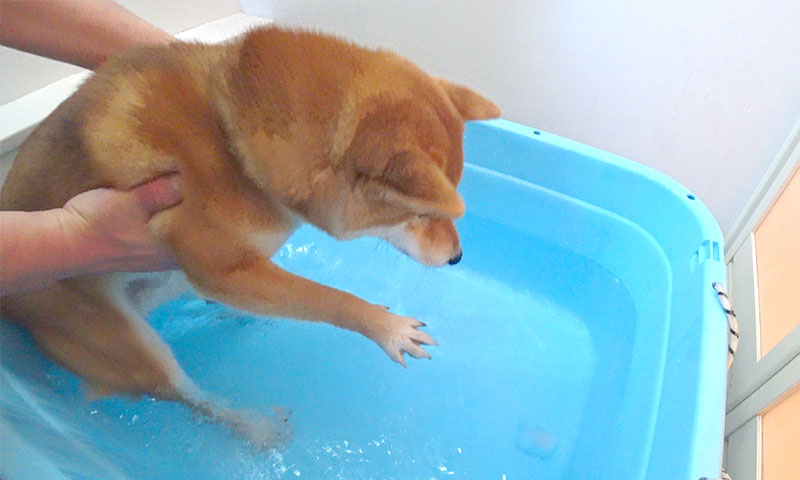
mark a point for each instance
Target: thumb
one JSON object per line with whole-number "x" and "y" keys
{"x": 158, "y": 194}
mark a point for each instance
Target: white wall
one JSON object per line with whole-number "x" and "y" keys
{"x": 705, "y": 91}
{"x": 22, "y": 73}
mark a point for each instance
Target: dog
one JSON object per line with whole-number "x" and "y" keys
{"x": 272, "y": 130}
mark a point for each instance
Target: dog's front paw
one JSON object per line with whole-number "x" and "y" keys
{"x": 397, "y": 335}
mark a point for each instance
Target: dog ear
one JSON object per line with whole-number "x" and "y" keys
{"x": 469, "y": 104}
{"x": 413, "y": 181}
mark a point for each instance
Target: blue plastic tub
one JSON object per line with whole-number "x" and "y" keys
{"x": 580, "y": 338}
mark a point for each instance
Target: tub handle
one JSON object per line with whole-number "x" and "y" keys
{"x": 733, "y": 342}
{"x": 724, "y": 476}
{"x": 733, "y": 323}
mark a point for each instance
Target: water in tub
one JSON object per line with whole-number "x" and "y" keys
{"x": 515, "y": 389}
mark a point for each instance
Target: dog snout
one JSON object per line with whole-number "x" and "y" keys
{"x": 455, "y": 258}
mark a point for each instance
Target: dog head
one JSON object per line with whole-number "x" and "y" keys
{"x": 405, "y": 160}
{"x": 363, "y": 143}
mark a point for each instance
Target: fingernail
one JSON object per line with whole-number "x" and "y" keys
{"x": 175, "y": 182}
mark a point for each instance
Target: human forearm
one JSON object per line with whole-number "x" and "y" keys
{"x": 81, "y": 32}
{"x": 38, "y": 248}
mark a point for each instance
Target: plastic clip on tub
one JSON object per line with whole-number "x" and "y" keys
{"x": 580, "y": 338}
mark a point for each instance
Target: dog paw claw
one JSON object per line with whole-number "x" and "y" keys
{"x": 399, "y": 335}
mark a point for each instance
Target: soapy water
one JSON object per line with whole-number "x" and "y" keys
{"x": 514, "y": 387}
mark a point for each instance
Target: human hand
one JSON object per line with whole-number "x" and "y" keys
{"x": 114, "y": 225}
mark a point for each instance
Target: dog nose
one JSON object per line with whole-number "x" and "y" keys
{"x": 456, "y": 258}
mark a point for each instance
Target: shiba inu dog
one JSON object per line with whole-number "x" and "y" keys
{"x": 274, "y": 129}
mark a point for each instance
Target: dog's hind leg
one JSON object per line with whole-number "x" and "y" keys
{"x": 85, "y": 325}
{"x": 261, "y": 432}
{"x": 81, "y": 324}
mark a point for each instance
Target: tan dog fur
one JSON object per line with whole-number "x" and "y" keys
{"x": 270, "y": 131}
